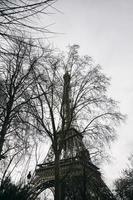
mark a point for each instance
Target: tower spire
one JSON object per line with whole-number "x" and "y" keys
{"x": 66, "y": 100}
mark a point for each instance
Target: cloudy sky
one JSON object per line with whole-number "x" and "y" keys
{"x": 104, "y": 30}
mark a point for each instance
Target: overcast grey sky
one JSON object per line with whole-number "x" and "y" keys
{"x": 104, "y": 30}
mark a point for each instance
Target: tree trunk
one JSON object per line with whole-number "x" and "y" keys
{"x": 5, "y": 124}
{"x": 1, "y": 145}
{"x": 57, "y": 177}
{"x": 2, "y": 135}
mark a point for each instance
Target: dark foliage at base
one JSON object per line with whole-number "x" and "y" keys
{"x": 10, "y": 191}
{"x": 124, "y": 186}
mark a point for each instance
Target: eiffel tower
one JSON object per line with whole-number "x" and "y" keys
{"x": 80, "y": 178}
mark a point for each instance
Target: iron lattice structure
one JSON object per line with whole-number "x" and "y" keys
{"x": 80, "y": 179}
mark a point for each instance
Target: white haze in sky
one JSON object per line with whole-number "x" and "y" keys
{"x": 104, "y": 30}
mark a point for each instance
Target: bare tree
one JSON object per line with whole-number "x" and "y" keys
{"x": 17, "y": 17}
{"x": 16, "y": 83}
{"x": 19, "y": 14}
{"x": 74, "y": 95}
